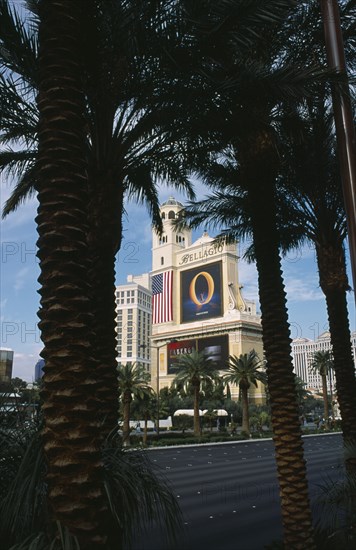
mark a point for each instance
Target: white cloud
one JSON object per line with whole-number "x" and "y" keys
{"x": 303, "y": 290}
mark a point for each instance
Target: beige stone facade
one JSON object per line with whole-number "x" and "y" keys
{"x": 207, "y": 309}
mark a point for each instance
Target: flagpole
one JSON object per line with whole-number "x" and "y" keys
{"x": 345, "y": 132}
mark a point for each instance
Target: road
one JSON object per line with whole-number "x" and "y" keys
{"x": 228, "y": 493}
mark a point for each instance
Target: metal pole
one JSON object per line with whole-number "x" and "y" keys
{"x": 157, "y": 380}
{"x": 345, "y": 132}
{"x": 331, "y": 394}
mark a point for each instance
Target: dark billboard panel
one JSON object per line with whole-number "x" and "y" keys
{"x": 175, "y": 350}
{"x": 216, "y": 348}
{"x": 201, "y": 293}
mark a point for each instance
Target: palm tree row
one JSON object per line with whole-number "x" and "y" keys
{"x": 70, "y": 240}
{"x": 198, "y": 373}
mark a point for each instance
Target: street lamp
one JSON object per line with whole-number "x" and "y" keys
{"x": 157, "y": 376}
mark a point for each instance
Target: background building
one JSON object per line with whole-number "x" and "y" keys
{"x": 134, "y": 319}
{"x": 303, "y": 350}
{"x": 39, "y": 369}
{"x": 197, "y": 302}
{"x": 6, "y": 363}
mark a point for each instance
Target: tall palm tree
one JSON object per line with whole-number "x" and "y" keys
{"x": 71, "y": 434}
{"x": 127, "y": 150}
{"x": 244, "y": 371}
{"x": 322, "y": 364}
{"x": 315, "y": 205}
{"x": 133, "y": 382}
{"x": 196, "y": 372}
{"x": 250, "y": 91}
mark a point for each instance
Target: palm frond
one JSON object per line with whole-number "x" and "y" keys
{"x": 25, "y": 186}
{"x": 18, "y": 44}
{"x": 137, "y": 496}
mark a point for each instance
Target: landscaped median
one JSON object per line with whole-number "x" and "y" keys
{"x": 173, "y": 438}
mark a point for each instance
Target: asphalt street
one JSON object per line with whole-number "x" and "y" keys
{"x": 228, "y": 493}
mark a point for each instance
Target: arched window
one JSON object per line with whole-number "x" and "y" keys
{"x": 163, "y": 216}
{"x": 171, "y": 215}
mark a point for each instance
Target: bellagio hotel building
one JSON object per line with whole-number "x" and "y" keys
{"x": 190, "y": 300}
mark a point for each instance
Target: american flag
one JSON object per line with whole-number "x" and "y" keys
{"x": 162, "y": 297}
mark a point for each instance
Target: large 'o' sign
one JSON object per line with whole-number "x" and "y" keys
{"x": 210, "y": 283}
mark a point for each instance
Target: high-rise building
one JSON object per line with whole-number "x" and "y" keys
{"x": 197, "y": 302}
{"x": 303, "y": 350}
{"x": 6, "y": 362}
{"x": 134, "y": 319}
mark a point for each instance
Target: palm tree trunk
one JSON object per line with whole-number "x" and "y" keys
{"x": 334, "y": 284}
{"x": 126, "y": 424}
{"x": 260, "y": 166}
{"x": 245, "y": 414}
{"x": 71, "y": 434}
{"x": 325, "y": 399}
{"x": 196, "y": 410}
{"x": 104, "y": 240}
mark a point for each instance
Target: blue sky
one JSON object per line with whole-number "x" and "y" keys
{"x": 19, "y": 300}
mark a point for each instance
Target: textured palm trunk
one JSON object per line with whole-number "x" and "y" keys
{"x": 334, "y": 284}
{"x": 245, "y": 414}
{"x": 105, "y": 238}
{"x": 126, "y": 425}
{"x": 260, "y": 166}
{"x": 196, "y": 387}
{"x": 71, "y": 434}
{"x": 325, "y": 399}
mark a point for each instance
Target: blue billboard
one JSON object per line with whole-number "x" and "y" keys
{"x": 201, "y": 293}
